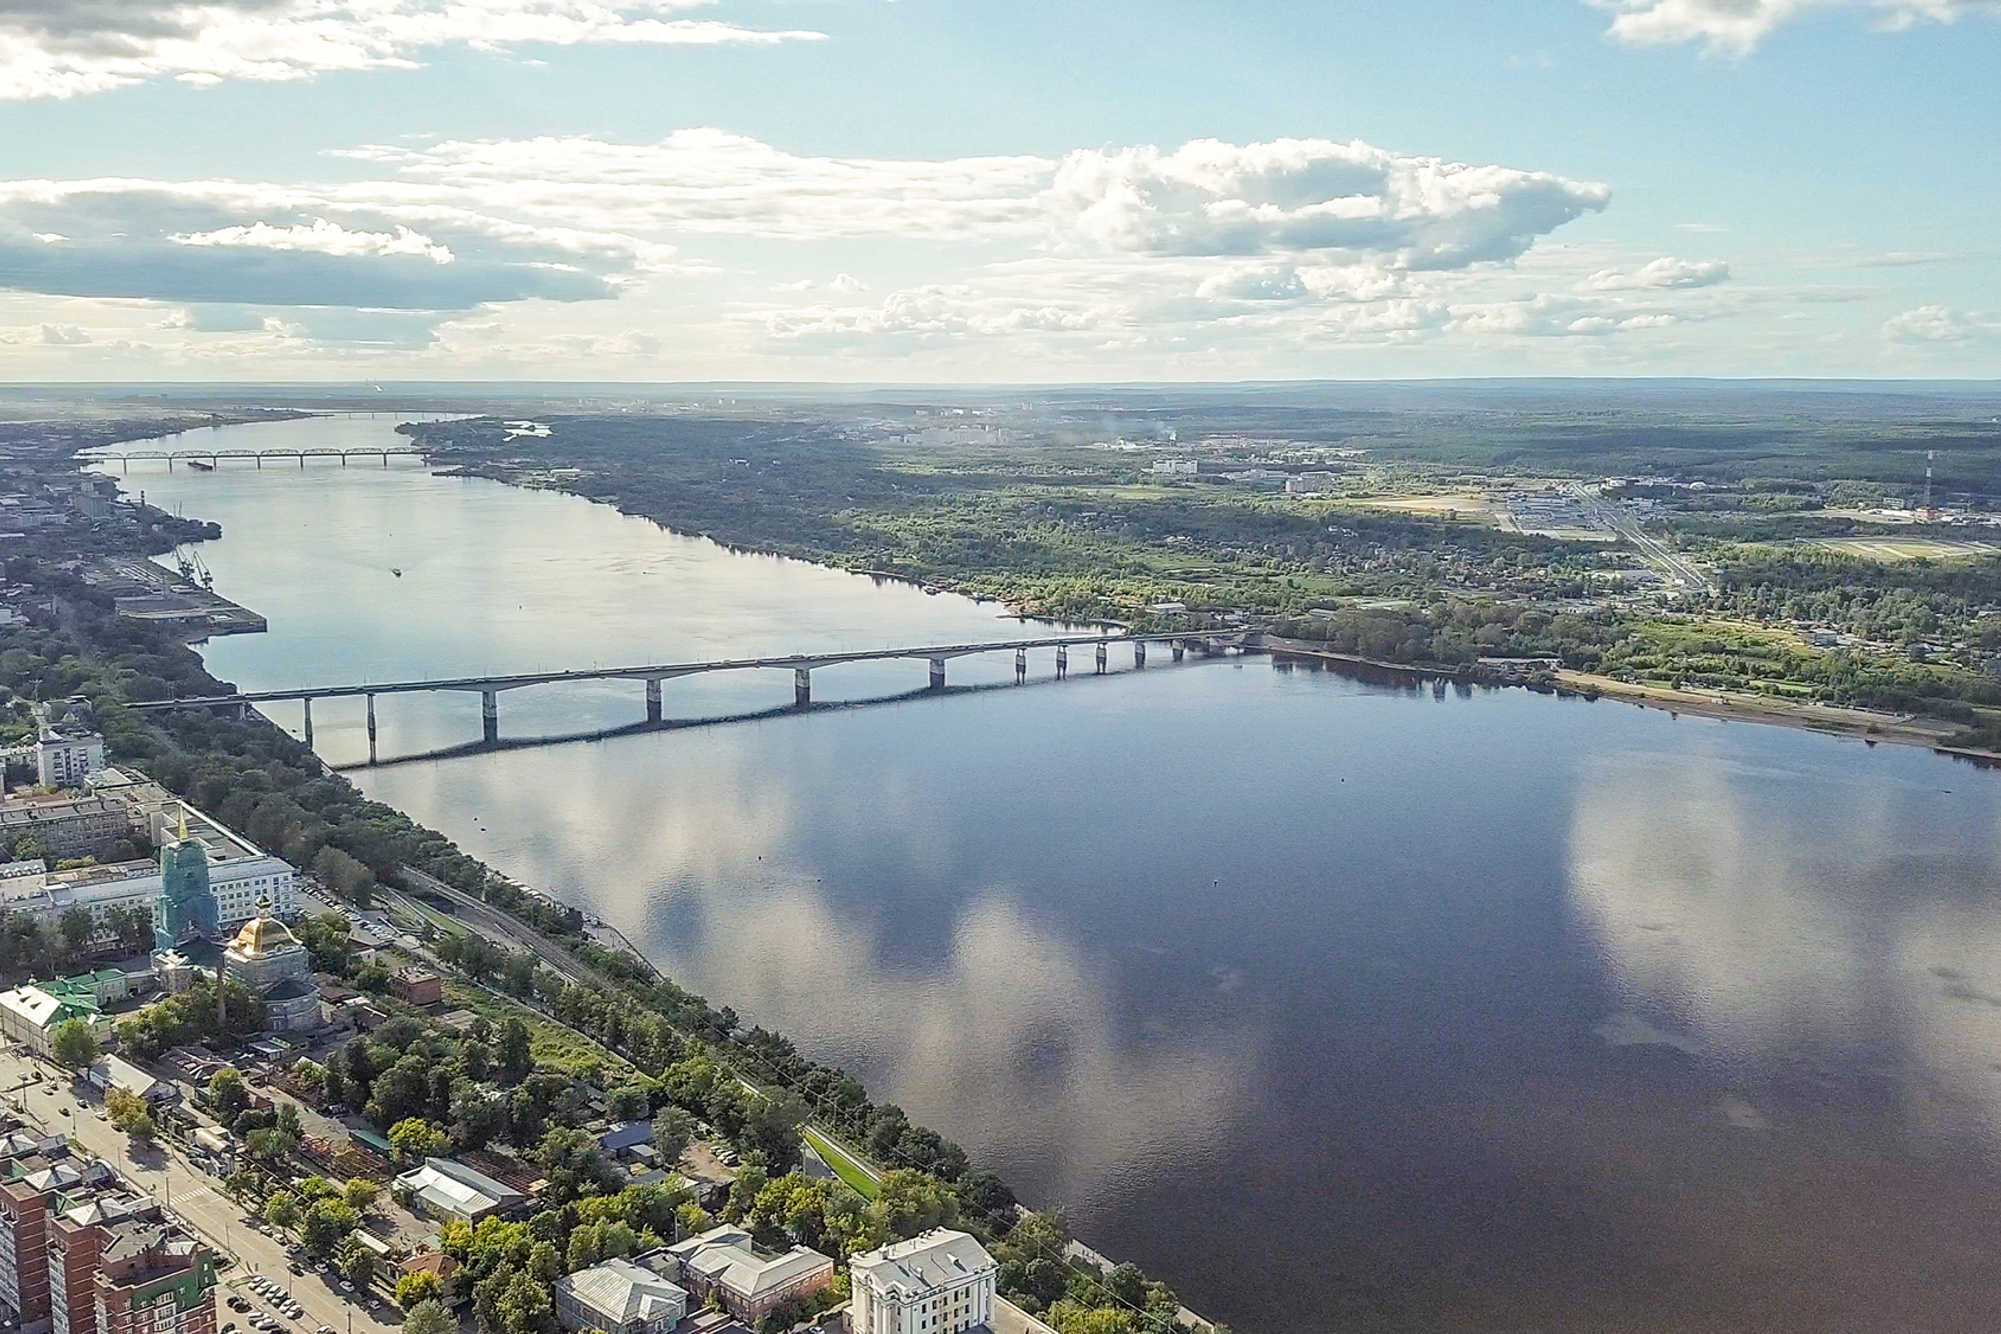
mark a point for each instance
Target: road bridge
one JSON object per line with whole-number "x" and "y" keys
{"x": 214, "y": 457}
{"x": 801, "y": 665}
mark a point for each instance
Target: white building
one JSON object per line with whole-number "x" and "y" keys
{"x": 619, "y": 1297}
{"x": 445, "y": 1189}
{"x": 65, "y": 755}
{"x": 940, "y": 1282}
{"x": 1311, "y": 483}
{"x": 30, "y": 1016}
{"x": 239, "y": 877}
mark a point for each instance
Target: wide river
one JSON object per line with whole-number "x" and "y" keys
{"x": 1340, "y": 1006}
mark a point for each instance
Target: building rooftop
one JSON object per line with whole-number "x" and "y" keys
{"x": 934, "y": 1259}
{"x": 455, "y": 1188}
{"x": 726, "y": 1256}
{"x": 622, "y": 1292}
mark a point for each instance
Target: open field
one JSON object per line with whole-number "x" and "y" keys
{"x": 1910, "y": 548}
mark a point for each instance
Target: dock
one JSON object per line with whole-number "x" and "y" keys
{"x": 143, "y": 591}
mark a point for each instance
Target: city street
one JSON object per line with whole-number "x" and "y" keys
{"x": 196, "y": 1198}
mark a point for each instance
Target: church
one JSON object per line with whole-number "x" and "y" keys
{"x": 264, "y": 958}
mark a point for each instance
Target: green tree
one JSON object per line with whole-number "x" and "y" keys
{"x": 326, "y": 1225}
{"x": 515, "y": 1060}
{"x": 627, "y": 1102}
{"x": 73, "y": 1045}
{"x": 282, "y": 1210}
{"x": 226, "y": 1091}
{"x": 414, "y": 1138}
{"x": 414, "y": 1289}
{"x": 361, "y": 1194}
{"x": 911, "y": 1202}
{"x": 358, "y": 1264}
{"x": 77, "y": 926}
{"x": 428, "y": 1316}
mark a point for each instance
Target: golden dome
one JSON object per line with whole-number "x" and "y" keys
{"x": 263, "y": 934}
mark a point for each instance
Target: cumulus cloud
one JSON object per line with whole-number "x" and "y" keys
{"x": 937, "y": 310}
{"x": 1661, "y": 274}
{"x": 1312, "y": 195}
{"x": 1940, "y": 324}
{"x": 65, "y": 48}
{"x": 323, "y": 237}
{"x": 1736, "y": 27}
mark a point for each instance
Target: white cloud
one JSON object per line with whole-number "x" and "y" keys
{"x": 66, "y": 48}
{"x": 64, "y": 335}
{"x": 1737, "y": 27}
{"x": 1940, "y": 324}
{"x": 955, "y": 311}
{"x": 1663, "y": 273}
{"x": 1311, "y": 195}
{"x": 326, "y": 238}
{"x": 711, "y": 182}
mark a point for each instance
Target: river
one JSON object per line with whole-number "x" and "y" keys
{"x": 1339, "y": 1005}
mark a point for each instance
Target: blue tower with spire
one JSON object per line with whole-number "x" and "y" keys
{"x": 186, "y": 907}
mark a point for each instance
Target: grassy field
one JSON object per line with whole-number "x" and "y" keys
{"x": 1891, "y": 549}
{"x": 550, "y": 1043}
{"x": 844, "y": 1166}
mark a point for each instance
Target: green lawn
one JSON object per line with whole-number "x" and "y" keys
{"x": 844, "y": 1166}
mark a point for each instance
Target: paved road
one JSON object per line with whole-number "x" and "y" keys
{"x": 1616, "y": 518}
{"x": 197, "y": 1199}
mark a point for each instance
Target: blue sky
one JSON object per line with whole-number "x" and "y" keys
{"x": 948, "y": 190}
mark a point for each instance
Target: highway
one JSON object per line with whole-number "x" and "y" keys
{"x": 1684, "y": 575}
{"x": 197, "y": 1200}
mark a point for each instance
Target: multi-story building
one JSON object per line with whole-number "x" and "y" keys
{"x": 66, "y": 753}
{"x": 64, "y": 826}
{"x": 83, "y": 1233}
{"x": 153, "y": 1278}
{"x": 31, "y": 1014}
{"x": 748, "y": 1281}
{"x": 939, "y": 1282}
{"x": 35, "y": 1173}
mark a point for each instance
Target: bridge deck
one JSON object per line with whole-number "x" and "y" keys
{"x": 667, "y": 671}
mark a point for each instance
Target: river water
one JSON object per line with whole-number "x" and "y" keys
{"x": 1340, "y": 1005}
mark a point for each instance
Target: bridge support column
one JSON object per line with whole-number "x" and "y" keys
{"x": 170, "y": 463}
{"x": 802, "y": 686}
{"x": 1139, "y": 654}
{"x": 260, "y": 463}
{"x": 302, "y": 461}
{"x": 371, "y": 729}
{"x": 652, "y": 689}
{"x": 489, "y": 714}
{"x": 1020, "y": 665}
{"x": 1062, "y": 662}
{"x": 1179, "y": 649}
{"x": 309, "y": 721}
{"x": 343, "y": 458}
{"x": 937, "y": 673}
{"x": 1102, "y": 649}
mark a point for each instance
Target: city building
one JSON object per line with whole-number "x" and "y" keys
{"x": 445, "y": 1189}
{"x": 747, "y": 1280}
{"x": 1312, "y": 483}
{"x": 939, "y": 1282}
{"x": 64, "y": 825}
{"x": 35, "y": 1174}
{"x": 30, "y": 1014}
{"x": 619, "y": 1297}
{"x": 115, "y": 1072}
{"x": 152, "y": 1278}
{"x": 267, "y": 961}
{"x": 68, "y": 752}
{"x": 440, "y": 1267}
{"x": 419, "y": 986}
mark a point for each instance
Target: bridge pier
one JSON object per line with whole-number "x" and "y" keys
{"x": 652, "y": 682}
{"x": 1179, "y": 649}
{"x": 489, "y": 714}
{"x": 1020, "y": 665}
{"x": 260, "y": 463}
{"x": 371, "y": 729}
{"x": 1062, "y": 662}
{"x": 308, "y": 702}
{"x": 937, "y": 673}
{"x": 802, "y": 686}
{"x": 1139, "y": 654}
{"x": 1102, "y": 648}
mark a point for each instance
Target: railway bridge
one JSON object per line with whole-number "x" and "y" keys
{"x": 213, "y": 458}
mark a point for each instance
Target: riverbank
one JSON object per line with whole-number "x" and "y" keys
{"x": 1870, "y": 725}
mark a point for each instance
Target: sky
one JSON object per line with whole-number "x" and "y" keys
{"x": 976, "y": 191}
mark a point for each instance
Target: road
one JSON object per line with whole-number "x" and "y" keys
{"x": 197, "y": 1200}
{"x": 1683, "y": 574}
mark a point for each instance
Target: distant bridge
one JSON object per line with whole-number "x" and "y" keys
{"x": 802, "y": 666}
{"x": 215, "y": 457}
